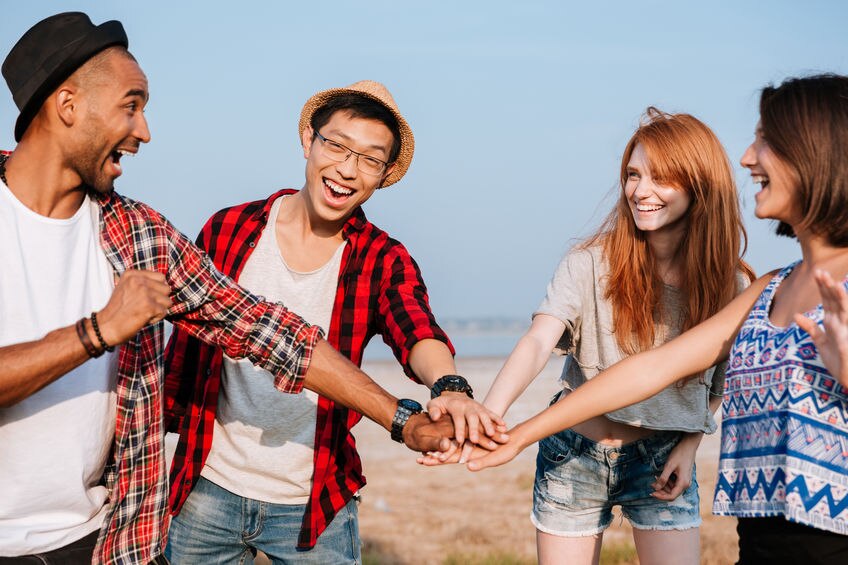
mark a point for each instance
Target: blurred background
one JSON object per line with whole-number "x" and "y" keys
{"x": 520, "y": 112}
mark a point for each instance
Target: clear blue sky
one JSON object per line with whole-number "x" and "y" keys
{"x": 520, "y": 111}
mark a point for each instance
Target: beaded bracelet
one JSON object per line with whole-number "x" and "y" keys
{"x": 82, "y": 333}
{"x": 102, "y": 341}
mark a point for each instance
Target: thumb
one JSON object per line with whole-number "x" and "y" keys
{"x": 808, "y": 326}
{"x": 662, "y": 480}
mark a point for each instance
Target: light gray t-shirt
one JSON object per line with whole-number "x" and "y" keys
{"x": 263, "y": 443}
{"x": 576, "y": 297}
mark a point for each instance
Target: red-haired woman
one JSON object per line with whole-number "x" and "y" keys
{"x": 665, "y": 259}
{"x": 784, "y": 452}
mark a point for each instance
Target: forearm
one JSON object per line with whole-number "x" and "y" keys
{"x": 430, "y": 360}
{"x": 29, "y": 367}
{"x": 520, "y": 369}
{"x": 332, "y": 375}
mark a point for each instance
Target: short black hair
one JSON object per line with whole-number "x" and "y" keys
{"x": 359, "y": 106}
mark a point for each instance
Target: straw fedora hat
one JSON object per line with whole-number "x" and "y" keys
{"x": 379, "y": 93}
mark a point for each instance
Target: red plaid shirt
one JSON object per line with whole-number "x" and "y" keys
{"x": 205, "y": 304}
{"x": 380, "y": 291}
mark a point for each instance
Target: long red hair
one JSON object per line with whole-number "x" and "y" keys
{"x": 683, "y": 153}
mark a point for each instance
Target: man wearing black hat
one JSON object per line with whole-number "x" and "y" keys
{"x": 87, "y": 278}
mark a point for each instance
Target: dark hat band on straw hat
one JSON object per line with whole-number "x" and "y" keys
{"x": 380, "y": 94}
{"x": 48, "y": 53}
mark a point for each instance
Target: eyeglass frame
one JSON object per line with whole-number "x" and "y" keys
{"x": 350, "y": 152}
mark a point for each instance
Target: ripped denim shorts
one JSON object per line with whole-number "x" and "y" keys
{"x": 578, "y": 481}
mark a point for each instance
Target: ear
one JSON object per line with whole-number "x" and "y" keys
{"x": 306, "y": 140}
{"x": 389, "y": 170}
{"x": 65, "y": 103}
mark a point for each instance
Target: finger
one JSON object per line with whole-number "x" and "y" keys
{"x": 663, "y": 478}
{"x": 473, "y": 427}
{"x": 435, "y": 413}
{"x": 487, "y": 424}
{"x": 444, "y": 456}
{"x": 467, "y": 450}
{"x": 808, "y": 326}
{"x": 458, "y": 427}
{"x": 489, "y": 460}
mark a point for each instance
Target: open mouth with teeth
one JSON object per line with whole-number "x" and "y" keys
{"x": 761, "y": 180}
{"x": 649, "y": 207}
{"x": 335, "y": 192}
{"x": 115, "y": 158}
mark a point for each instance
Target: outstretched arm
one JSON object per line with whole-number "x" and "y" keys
{"x": 332, "y": 375}
{"x": 697, "y": 349}
{"x": 831, "y": 340}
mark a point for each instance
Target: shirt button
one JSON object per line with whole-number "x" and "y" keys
{"x": 208, "y": 372}
{"x": 251, "y": 244}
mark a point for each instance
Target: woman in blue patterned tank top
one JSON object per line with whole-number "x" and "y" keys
{"x": 784, "y": 455}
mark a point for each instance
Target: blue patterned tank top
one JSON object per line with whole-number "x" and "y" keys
{"x": 784, "y": 433}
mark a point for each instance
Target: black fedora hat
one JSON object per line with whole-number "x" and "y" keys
{"x": 49, "y": 53}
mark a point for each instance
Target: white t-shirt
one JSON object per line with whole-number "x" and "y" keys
{"x": 53, "y": 444}
{"x": 263, "y": 442}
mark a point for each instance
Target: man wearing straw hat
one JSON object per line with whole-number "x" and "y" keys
{"x": 255, "y": 471}
{"x": 87, "y": 278}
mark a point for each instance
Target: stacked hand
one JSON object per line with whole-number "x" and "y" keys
{"x": 454, "y": 420}
{"x": 477, "y": 456}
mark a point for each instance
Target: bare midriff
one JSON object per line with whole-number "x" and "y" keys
{"x": 612, "y": 434}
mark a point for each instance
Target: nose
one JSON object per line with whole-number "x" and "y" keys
{"x": 749, "y": 157}
{"x": 644, "y": 188}
{"x": 142, "y": 131}
{"x": 348, "y": 167}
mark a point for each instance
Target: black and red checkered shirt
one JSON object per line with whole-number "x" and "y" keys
{"x": 380, "y": 291}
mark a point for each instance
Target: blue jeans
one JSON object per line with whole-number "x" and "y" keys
{"x": 217, "y": 526}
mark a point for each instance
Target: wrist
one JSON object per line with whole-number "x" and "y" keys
{"x": 451, "y": 383}
{"x": 405, "y": 410}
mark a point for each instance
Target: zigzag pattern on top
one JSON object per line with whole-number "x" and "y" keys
{"x": 784, "y": 443}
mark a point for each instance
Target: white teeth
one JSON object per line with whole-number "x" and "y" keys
{"x": 337, "y": 188}
{"x": 648, "y": 207}
{"x": 124, "y": 152}
{"x": 760, "y": 179}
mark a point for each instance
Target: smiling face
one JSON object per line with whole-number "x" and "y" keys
{"x": 334, "y": 189}
{"x": 655, "y": 207}
{"x": 111, "y": 100}
{"x": 777, "y": 196}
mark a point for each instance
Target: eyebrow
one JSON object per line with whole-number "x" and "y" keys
{"x": 137, "y": 92}
{"x": 348, "y": 138}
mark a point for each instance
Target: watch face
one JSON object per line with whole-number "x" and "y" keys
{"x": 410, "y": 405}
{"x": 455, "y": 381}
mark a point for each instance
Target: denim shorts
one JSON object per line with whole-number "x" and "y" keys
{"x": 578, "y": 481}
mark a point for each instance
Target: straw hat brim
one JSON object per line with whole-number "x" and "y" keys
{"x": 407, "y": 141}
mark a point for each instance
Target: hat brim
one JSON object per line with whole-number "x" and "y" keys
{"x": 105, "y": 35}
{"x": 407, "y": 140}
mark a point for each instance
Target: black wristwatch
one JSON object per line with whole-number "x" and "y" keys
{"x": 451, "y": 383}
{"x": 405, "y": 409}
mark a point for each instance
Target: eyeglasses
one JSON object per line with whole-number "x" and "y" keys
{"x": 339, "y": 153}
